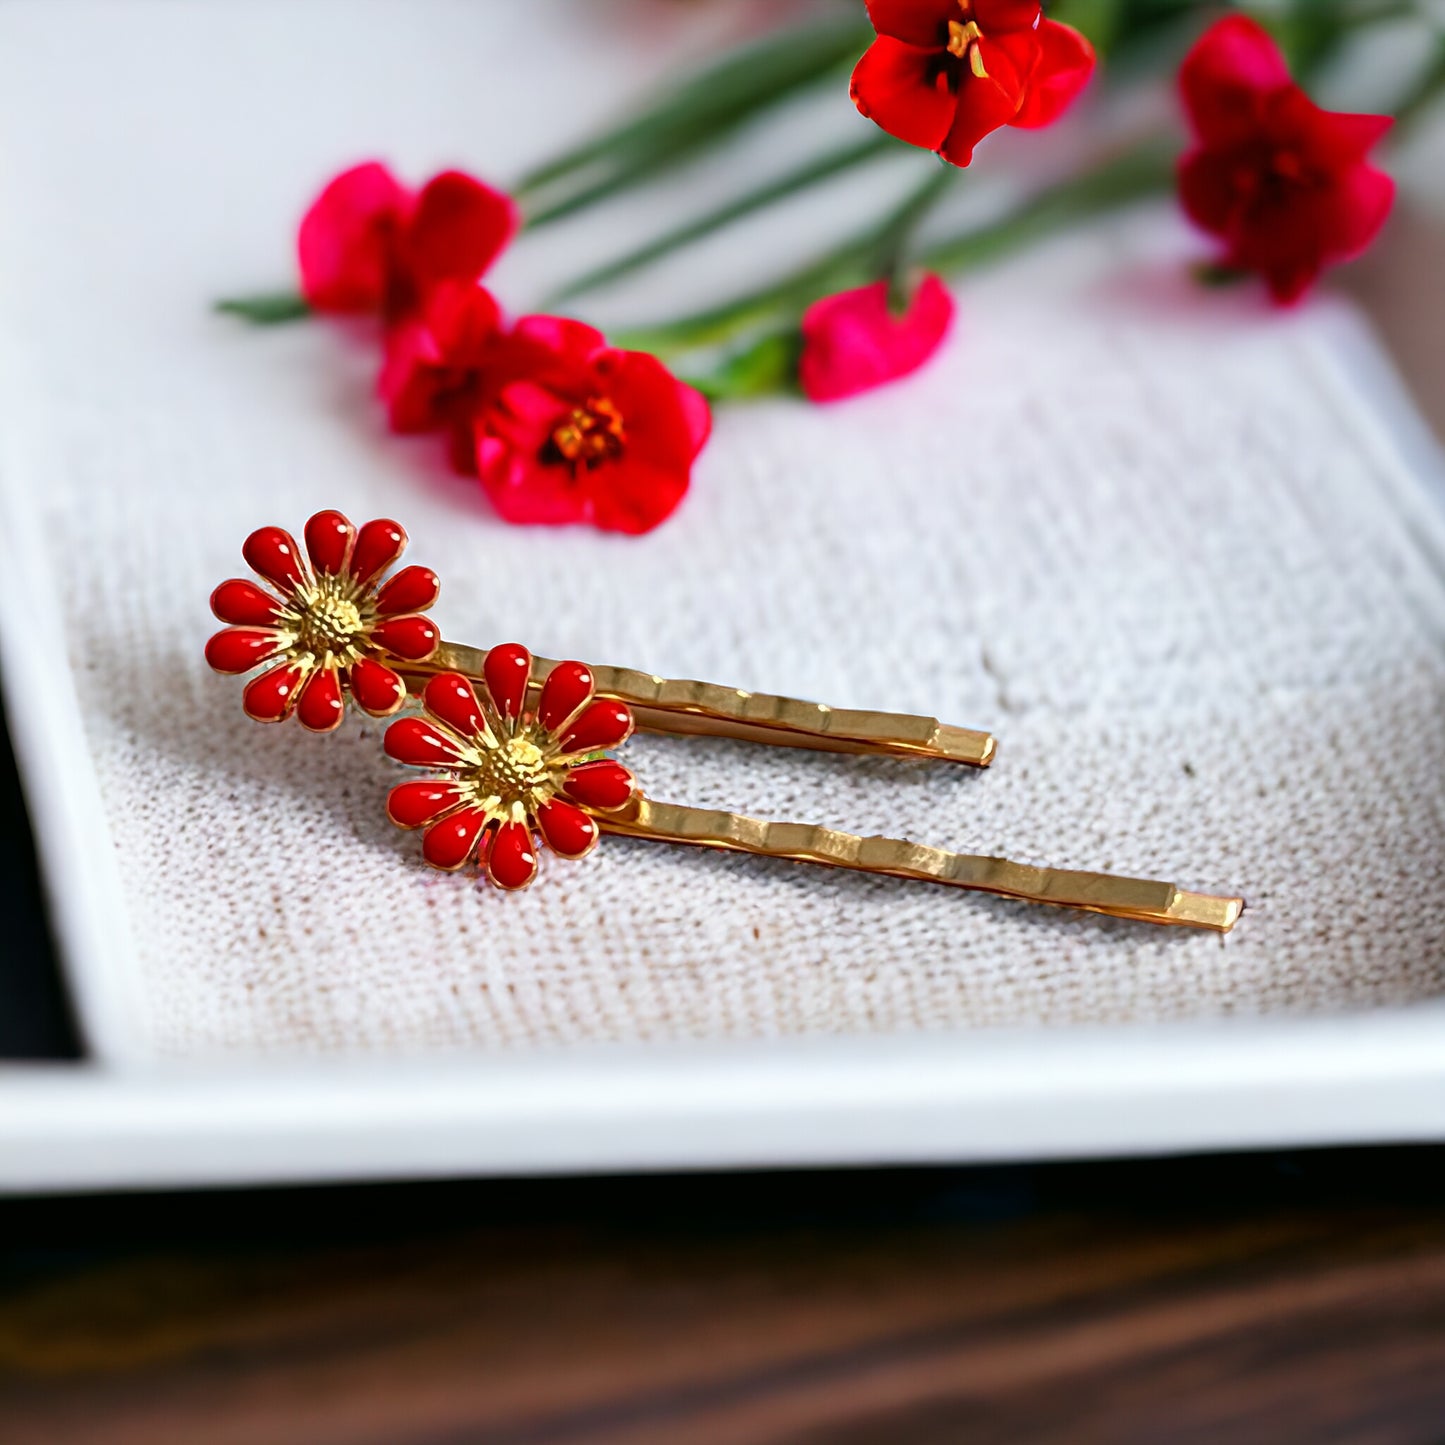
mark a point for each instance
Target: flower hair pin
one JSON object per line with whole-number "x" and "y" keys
{"x": 517, "y": 747}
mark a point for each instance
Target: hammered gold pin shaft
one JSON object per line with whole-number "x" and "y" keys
{"x": 1141, "y": 899}
{"x": 682, "y": 706}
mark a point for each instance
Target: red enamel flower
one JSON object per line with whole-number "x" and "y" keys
{"x": 942, "y": 74}
{"x": 853, "y": 341}
{"x": 1285, "y": 184}
{"x": 331, "y": 627}
{"x": 368, "y": 243}
{"x": 507, "y": 774}
{"x": 579, "y": 431}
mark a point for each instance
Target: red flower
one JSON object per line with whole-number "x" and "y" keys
{"x": 853, "y": 341}
{"x": 507, "y": 773}
{"x": 370, "y": 244}
{"x": 579, "y": 431}
{"x": 944, "y": 73}
{"x": 334, "y": 627}
{"x": 1284, "y": 183}
{"x": 439, "y": 362}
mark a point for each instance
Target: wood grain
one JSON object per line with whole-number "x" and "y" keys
{"x": 1196, "y": 1301}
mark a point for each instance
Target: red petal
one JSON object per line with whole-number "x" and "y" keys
{"x": 512, "y": 861}
{"x": 567, "y": 830}
{"x": 1349, "y": 137}
{"x": 321, "y": 707}
{"x": 999, "y": 16}
{"x": 1065, "y": 63}
{"x": 244, "y": 603}
{"x": 1354, "y": 209}
{"x": 560, "y": 336}
{"x": 631, "y": 496}
{"x": 983, "y": 106}
{"x": 457, "y": 229}
{"x": 345, "y": 242}
{"x": 853, "y": 342}
{"x": 329, "y": 536}
{"x": 507, "y": 670}
{"x": 413, "y": 589}
{"x": 412, "y": 638}
{"x": 421, "y": 744}
{"x": 449, "y": 698}
{"x": 1231, "y": 68}
{"x": 893, "y": 86}
{"x": 378, "y": 545}
{"x": 413, "y": 805}
{"x": 449, "y": 844}
{"x": 376, "y": 688}
{"x": 604, "y": 784}
{"x": 271, "y": 551}
{"x": 1207, "y": 190}
{"x": 603, "y": 725}
{"x": 567, "y": 690}
{"x": 239, "y": 649}
{"x": 917, "y": 22}
{"x": 270, "y": 697}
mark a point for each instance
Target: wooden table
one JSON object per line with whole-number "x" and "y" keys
{"x": 1272, "y": 1299}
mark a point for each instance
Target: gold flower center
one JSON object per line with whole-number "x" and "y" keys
{"x": 330, "y": 620}
{"x": 590, "y": 434}
{"x": 515, "y": 772}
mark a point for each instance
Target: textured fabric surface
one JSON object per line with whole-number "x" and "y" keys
{"x": 1156, "y": 541}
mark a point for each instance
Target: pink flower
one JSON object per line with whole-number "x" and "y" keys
{"x": 370, "y": 244}
{"x": 580, "y": 431}
{"x": 1283, "y": 183}
{"x": 853, "y": 341}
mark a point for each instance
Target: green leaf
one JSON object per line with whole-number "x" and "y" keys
{"x": 810, "y": 173}
{"x": 270, "y": 308}
{"x": 767, "y": 365}
{"x": 694, "y": 115}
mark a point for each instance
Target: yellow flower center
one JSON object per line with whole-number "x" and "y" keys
{"x": 514, "y": 773}
{"x": 963, "y": 38}
{"x": 590, "y": 434}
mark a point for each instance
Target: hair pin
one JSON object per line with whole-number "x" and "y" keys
{"x": 517, "y": 747}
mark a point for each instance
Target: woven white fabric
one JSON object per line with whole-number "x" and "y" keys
{"x": 1156, "y": 541}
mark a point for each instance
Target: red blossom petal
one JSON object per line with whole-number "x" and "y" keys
{"x": 346, "y": 238}
{"x": 918, "y": 22}
{"x": 244, "y": 603}
{"x": 270, "y": 697}
{"x": 420, "y": 744}
{"x": 329, "y": 536}
{"x": 437, "y": 364}
{"x": 1350, "y": 137}
{"x": 605, "y": 724}
{"x": 566, "y": 829}
{"x": 987, "y": 102}
{"x": 378, "y": 545}
{"x": 567, "y": 690}
{"x": 604, "y": 784}
{"x": 561, "y": 336}
{"x": 997, "y": 16}
{"x": 1065, "y": 63}
{"x": 413, "y": 589}
{"x": 894, "y": 86}
{"x": 633, "y": 497}
{"x": 512, "y": 860}
{"x": 1223, "y": 79}
{"x": 411, "y": 638}
{"x": 239, "y": 649}
{"x": 414, "y": 805}
{"x": 507, "y": 670}
{"x": 449, "y": 843}
{"x": 271, "y": 551}
{"x": 449, "y": 697}
{"x": 322, "y": 706}
{"x": 457, "y": 229}
{"x": 1351, "y": 213}
{"x": 853, "y": 342}
{"x": 376, "y": 688}
{"x": 1207, "y": 190}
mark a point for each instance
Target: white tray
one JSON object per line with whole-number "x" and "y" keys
{"x": 133, "y": 1119}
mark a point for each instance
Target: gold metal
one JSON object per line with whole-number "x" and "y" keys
{"x": 1135, "y": 898}
{"x": 681, "y": 706}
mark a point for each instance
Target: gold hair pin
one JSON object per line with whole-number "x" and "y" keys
{"x": 517, "y": 745}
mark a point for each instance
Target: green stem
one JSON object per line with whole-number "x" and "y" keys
{"x": 812, "y": 172}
